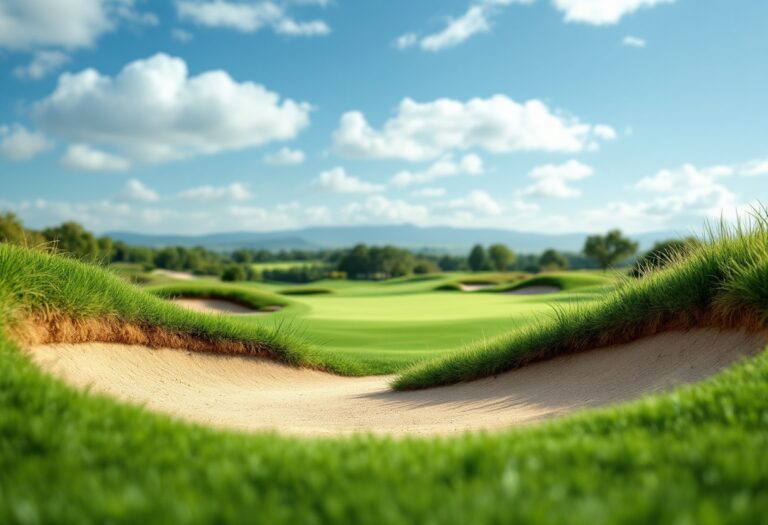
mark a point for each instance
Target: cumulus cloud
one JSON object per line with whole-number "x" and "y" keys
{"x": 475, "y": 20}
{"x": 337, "y": 181}
{"x": 424, "y": 131}
{"x": 602, "y": 12}
{"x": 232, "y": 192}
{"x": 87, "y": 158}
{"x": 248, "y": 17}
{"x": 429, "y": 192}
{"x": 135, "y": 190}
{"x": 754, "y": 168}
{"x": 31, "y": 24}
{"x": 633, "y": 41}
{"x": 43, "y": 62}
{"x": 19, "y": 143}
{"x": 285, "y": 157}
{"x": 470, "y": 164}
{"x": 153, "y": 111}
{"x": 378, "y": 208}
{"x": 552, "y": 180}
{"x": 479, "y": 202}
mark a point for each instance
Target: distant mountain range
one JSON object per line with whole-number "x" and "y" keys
{"x": 437, "y": 238}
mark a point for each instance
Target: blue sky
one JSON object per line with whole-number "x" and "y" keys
{"x": 195, "y": 116}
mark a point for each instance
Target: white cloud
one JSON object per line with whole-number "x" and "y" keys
{"x": 180, "y": 35}
{"x": 31, "y": 24}
{"x": 429, "y": 192}
{"x": 285, "y": 157}
{"x": 602, "y": 12}
{"x": 153, "y": 111}
{"x": 407, "y": 40}
{"x": 19, "y": 143}
{"x": 43, "y": 62}
{"x": 84, "y": 157}
{"x": 552, "y": 180}
{"x": 378, "y": 208}
{"x": 475, "y": 20}
{"x": 470, "y": 164}
{"x": 633, "y": 41}
{"x": 477, "y": 201}
{"x": 686, "y": 193}
{"x": 424, "y": 131}
{"x": 233, "y": 192}
{"x": 755, "y": 168}
{"x": 337, "y": 181}
{"x": 135, "y": 190}
{"x": 248, "y": 17}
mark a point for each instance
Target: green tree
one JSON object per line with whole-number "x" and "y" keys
{"x": 425, "y": 266}
{"x": 242, "y": 256}
{"x": 73, "y": 239}
{"x": 356, "y": 263}
{"x": 477, "y": 259}
{"x": 610, "y": 248}
{"x": 553, "y": 260}
{"x": 234, "y": 272}
{"x": 12, "y": 231}
{"x": 501, "y": 257}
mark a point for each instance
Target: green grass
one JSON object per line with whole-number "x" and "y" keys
{"x": 565, "y": 281}
{"x": 37, "y": 283}
{"x": 692, "y": 456}
{"x": 387, "y": 326}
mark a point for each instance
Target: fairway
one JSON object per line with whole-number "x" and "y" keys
{"x": 385, "y": 326}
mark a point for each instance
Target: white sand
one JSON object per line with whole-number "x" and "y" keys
{"x": 475, "y": 287}
{"x": 180, "y": 276}
{"x": 216, "y": 306}
{"x": 256, "y": 394}
{"x": 533, "y": 290}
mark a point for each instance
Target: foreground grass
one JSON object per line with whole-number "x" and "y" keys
{"x": 692, "y": 456}
{"x": 723, "y": 283}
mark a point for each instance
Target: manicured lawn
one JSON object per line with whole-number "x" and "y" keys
{"x": 385, "y": 326}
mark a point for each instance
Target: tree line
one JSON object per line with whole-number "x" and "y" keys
{"x": 358, "y": 262}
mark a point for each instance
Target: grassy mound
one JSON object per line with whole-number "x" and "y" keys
{"x": 256, "y": 299}
{"x": 46, "y": 298}
{"x": 723, "y": 283}
{"x": 566, "y": 281}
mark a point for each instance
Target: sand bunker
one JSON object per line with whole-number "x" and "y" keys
{"x": 533, "y": 290}
{"x": 475, "y": 287}
{"x": 219, "y": 306}
{"x": 256, "y": 394}
{"x": 180, "y": 276}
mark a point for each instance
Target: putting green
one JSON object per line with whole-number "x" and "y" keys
{"x": 388, "y": 325}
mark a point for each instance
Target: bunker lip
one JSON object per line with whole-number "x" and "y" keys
{"x": 533, "y": 290}
{"x": 221, "y": 306}
{"x": 255, "y": 394}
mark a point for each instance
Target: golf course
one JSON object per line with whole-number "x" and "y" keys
{"x": 650, "y": 391}
{"x": 336, "y": 262}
